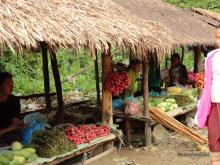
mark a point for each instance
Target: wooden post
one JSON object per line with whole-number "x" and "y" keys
{"x": 107, "y": 116}
{"x": 147, "y": 127}
{"x": 46, "y": 76}
{"x": 182, "y": 57}
{"x": 166, "y": 62}
{"x": 197, "y": 59}
{"x": 97, "y": 79}
{"x": 58, "y": 85}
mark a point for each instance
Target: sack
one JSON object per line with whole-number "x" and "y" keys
{"x": 132, "y": 108}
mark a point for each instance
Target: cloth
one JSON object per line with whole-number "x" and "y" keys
{"x": 213, "y": 124}
{"x": 10, "y": 137}
{"x": 9, "y": 110}
{"x": 154, "y": 78}
{"x": 215, "y": 96}
{"x": 204, "y": 104}
{"x": 134, "y": 84}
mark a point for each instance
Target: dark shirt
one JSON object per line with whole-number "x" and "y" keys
{"x": 9, "y": 110}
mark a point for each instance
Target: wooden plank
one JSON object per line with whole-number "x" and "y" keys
{"x": 25, "y": 97}
{"x": 147, "y": 127}
{"x": 127, "y": 131}
{"x": 105, "y": 153}
{"x": 107, "y": 116}
{"x": 84, "y": 150}
{"x": 58, "y": 85}
{"x": 96, "y": 64}
{"x": 46, "y": 75}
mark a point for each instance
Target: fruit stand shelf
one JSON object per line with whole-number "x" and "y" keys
{"x": 84, "y": 148}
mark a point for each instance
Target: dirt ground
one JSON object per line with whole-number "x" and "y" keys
{"x": 178, "y": 150}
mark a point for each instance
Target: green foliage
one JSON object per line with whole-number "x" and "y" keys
{"x": 206, "y": 4}
{"x": 28, "y": 74}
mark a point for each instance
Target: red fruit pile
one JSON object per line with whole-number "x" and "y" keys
{"x": 86, "y": 133}
{"x": 117, "y": 82}
{"x": 199, "y": 78}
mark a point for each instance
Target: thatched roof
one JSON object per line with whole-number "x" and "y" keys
{"x": 186, "y": 27}
{"x": 208, "y": 13}
{"x": 78, "y": 23}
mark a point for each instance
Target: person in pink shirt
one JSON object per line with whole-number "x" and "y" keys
{"x": 208, "y": 113}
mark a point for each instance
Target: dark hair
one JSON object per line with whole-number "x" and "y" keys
{"x": 175, "y": 55}
{"x": 134, "y": 62}
{"x": 4, "y": 75}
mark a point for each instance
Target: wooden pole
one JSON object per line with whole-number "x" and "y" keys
{"x": 46, "y": 76}
{"x": 97, "y": 79}
{"x": 58, "y": 85}
{"x": 107, "y": 116}
{"x": 147, "y": 127}
{"x": 182, "y": 57}
{"x": 197, "y": 59}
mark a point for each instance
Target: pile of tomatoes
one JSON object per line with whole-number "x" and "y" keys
{"x": 199, "y": 78}
{"x": 86, "y": 133}
{"x": 117, "y": 82}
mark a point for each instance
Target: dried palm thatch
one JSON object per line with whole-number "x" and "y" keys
{"x": 186, "y": 27}
{"x": 78, "y": 23}
{"x": 208, "y": 13}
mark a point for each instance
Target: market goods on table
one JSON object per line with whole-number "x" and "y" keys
{"x": 86, "y": 133}
{"x": 18, "y": 155}
{"x": 50, "y": 143}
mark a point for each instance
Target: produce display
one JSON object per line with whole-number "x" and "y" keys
{"x": 86, "y": 133}
{"x": 199, "y": 78}
{"x": 187, "y": 96}
{"x": 174, "y": 90}
{"x": 51, "y": 143}
{"x": 18, "y": 155}
{"x": 117, "y": 82}
{"x": 167, "y": 105}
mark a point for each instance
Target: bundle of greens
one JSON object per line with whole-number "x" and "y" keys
{"x": 51, "y": 143}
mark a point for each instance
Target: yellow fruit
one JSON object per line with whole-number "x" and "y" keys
{"x": 174, "y": 90}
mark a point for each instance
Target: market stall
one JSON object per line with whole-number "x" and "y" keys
{"x": 43, "y": 29}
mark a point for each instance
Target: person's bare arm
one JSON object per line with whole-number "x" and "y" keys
{"x": 14, "y": 125}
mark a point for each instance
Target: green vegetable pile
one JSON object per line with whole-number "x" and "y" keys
{"x": 167, "y": 105}
{"x": 51, "y": 143}
{"x": 18, "y": 155}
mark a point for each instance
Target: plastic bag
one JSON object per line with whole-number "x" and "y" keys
{"x": 118, "y": 103}
{"x": 35, "y": 122}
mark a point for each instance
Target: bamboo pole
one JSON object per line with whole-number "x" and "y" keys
{"x": 58, "y": 85}
{"x": 197, "y": 59}
{"x": 147, "y": 127}
{"x": 107, "y": 115}
{"x": 46, "y": 76}
{"x": 173, "y": 124}
{"x": 182, "y": 57}
{"x": 96, "y": 64}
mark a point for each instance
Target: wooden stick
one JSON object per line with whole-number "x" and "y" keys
{"x": 147, "y": 127}
{"x": 172, "y": 123}
{"x": 107, "y": 115}
{"x": 46, "y": 75}
{"x": 58, "y": 85}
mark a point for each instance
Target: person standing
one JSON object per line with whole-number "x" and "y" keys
{"x": 208, "y": 113}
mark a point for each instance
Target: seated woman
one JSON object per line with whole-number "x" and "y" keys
{"x": 134, "y": 88}
{"x": 9, "y": 110}
{"x": 178, "y": 73}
